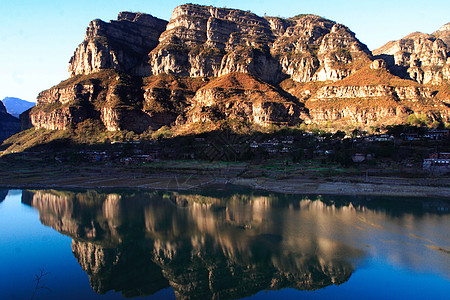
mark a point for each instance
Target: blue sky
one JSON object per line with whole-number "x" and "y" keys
{"x": 37, "y": 38}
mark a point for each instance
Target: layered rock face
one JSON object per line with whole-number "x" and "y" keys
{"x": 212, "y": 64}
{"x": 316, "y": 49}
{"x": 370, "y": 97}
{"x": 114, "y": 99}
{"x": 137, "y": 105}
{"x": 210, "y": 41}
{"x": 243, "y": 97}
{"x": 443, "y": 33}
{"x": 118, "y": 45}
{"x": 419, "y": 57}
{"x": 9, "y": 125}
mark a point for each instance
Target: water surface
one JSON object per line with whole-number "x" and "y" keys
{"x": 224, "y": 244}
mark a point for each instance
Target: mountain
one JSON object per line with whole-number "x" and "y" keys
{"x": 9, "y": 125}
{"x": 16, "y": 106}
{"x": 209, "y": 65}
{"x": 443, "y": 33}
{"x": 118, "y": 45}
{"x": 419, "y": 56}
{"x": 209, "y": 42}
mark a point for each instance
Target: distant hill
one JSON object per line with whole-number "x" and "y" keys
{"x": 9, "y": 125}
{"x": 16, "y": 106}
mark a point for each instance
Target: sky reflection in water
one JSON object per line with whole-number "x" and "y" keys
{"x": 221, "y": 244}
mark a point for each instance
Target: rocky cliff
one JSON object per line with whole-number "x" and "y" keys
{"x": 420, "y": 57}
{"x": 444, "y": 34}
{"x": 118, "y": 45}
{"x": 371, "y": 96}
{"x": 9, "y": 125}
{"x": 128, "y": 103}
{"x": 210, "y": 42}
{"x": 245, "y": 98}
{"x": 112, "y": 98}
{"x": 208, "y": 65}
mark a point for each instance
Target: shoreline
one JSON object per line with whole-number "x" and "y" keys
{"x": 272, "y": 176}
{"x": 299, "y": 186}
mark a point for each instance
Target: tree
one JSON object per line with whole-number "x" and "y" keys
{"x": 355, "y": 133}
{"x": 374, "y": 129}
{"x": 339, "y": 135}
{"x": 39, "y": 286}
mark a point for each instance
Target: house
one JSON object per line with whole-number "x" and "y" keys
{"x": 288, "y": 140}
{"x": 273, "y": 142}
{"x": 285, "y": 150}
{"x": 383, "y": 138}
{"x": 410, "y": 136}
{"x": 437, "y": 163}
{"x": 254, "y": 144}
{"x": 358, "y": 157}
{"x": 437, "y": 134}
{"x": 440, "y": 155}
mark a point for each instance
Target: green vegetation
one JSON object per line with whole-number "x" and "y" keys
{"x": 425, "y": 120}
{"x": 48, "y": 107}
{"x": 206, "y": 51}
{"x": 88, "y": 132}
{"x": 104, "y": 77}
{"x": 87, "y": 152}
{"x": 343, "y": 54}
{"x": 301, "y": 16}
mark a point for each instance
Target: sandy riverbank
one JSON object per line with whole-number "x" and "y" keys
{"x": 304, "y": 186}
{"x": 190, "y": 175}
{"x": 376, "y": 186}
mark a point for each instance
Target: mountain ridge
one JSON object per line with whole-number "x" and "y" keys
{"x": 16, "y": 106}
{"x": 419, "y": 56}
{"x": 207, "y": 64}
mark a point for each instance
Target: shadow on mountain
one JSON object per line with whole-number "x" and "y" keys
{"x": 227, "y": 143}
{"x": 396, "y": 70}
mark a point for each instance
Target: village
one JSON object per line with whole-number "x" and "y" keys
{"x": 423, "y": 153}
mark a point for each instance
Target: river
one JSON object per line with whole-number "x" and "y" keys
{"x": 227, "y": 243}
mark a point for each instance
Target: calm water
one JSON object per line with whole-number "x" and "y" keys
{"x": 226, "y": 244}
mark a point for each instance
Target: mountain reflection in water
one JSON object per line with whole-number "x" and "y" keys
{"x": 216, "y": 246}
{"x": 3, "y": 194}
